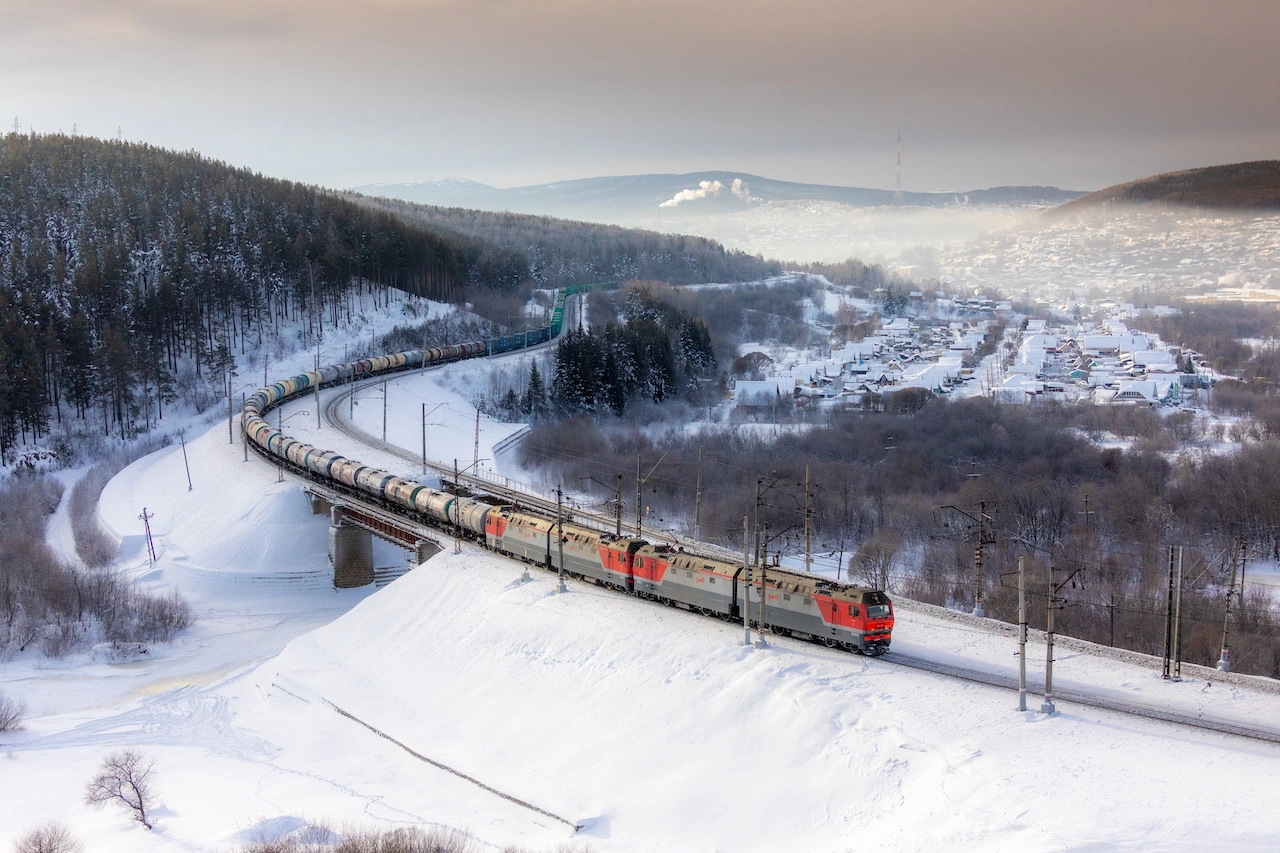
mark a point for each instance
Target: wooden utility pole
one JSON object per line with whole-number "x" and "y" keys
{"x": 182, "y": 436}
{"x": 146, "y": 522}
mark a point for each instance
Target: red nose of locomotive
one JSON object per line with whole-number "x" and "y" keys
{"x": 877, "y": 622}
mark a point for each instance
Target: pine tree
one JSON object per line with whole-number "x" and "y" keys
{"x": 534, "y": 403}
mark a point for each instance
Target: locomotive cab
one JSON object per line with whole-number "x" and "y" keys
{"x": 875, "y": 621}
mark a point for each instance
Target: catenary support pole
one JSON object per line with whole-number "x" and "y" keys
{"x": 639, "y": 524}
{"x": 617, "y": 508}
{"x": 764, "y": 594}
{"x": 560, "y": 587}
{"x": 244, "y": 438}
{"x": 384, "y": 410}
{"x": 424, "y": 439}
{"x": 1046, "y": 707}
{"x": 808, "y": 525}
{"x": 1168, "y": 623}
{"x": 977, "y": 559}
{"x": 746, "y": 581}
{"x": 1022, "y": 635}
{"x": 697, "y": 501}
{"x": 1224, "y": 660}
{"x": 1177, "y": 622}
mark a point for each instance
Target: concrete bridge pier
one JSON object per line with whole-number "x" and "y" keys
{"x": 424, "y": 550}
{"x": 350, "y": 552}
{"x": 319, "y": 506}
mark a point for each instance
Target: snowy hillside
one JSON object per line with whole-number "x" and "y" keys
{"x": 653, "y": 728}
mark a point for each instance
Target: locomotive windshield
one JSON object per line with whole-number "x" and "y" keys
{"x": 878, "y": 611}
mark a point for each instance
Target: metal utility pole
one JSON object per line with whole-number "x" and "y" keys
{"x": 351, "y": 391}
{"x": 1047, "y": 707}
{"x": 1112, "y": 614}
{"x": 639, "y": 524}
{"x": 977, "y": 558}
{"x": 764, "y": 593}
{"x": 384, "y": 410}
{"x": 984, "y": 539}
{"x": 244, "y": 438}
{"x": 640, "y": 481}
{"x": 475, "y": 462}
{"x": 617, "y": 508}
{"x": 697, "y": 501}
{"x": 1177, "y": 623}
{"x": 1166, "y": 672}
{"x": 1022, "y": 635}
{"x": 1244, "y": 558}
{"x": 560, "y": 588}
{"x": 1224, "y": 660}
{"x": 457, "y": 511}
{"x": 808, "y": 526}
{"x": 230, "y": 405}
{"x": 424, "y": 439}
{"x": 756, "y": 523}
{"x": 317, "y": 386}
{"x": 746, "y": 582}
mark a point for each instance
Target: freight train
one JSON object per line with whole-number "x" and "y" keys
{"x": 796, "y": 604}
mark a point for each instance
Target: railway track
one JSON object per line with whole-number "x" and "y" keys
{"x": 1076, "y": 697}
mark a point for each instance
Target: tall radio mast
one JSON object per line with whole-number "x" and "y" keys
{"x": 897, "y": 191}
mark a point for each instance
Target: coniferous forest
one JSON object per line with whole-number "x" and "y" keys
{"x": 127, "y": 270}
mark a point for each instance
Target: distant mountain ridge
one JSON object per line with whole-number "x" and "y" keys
{"x": 711, "y": 192}
{"x": 1254, "y": 184}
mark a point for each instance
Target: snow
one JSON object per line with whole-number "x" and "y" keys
{"x": 655, "y": 728}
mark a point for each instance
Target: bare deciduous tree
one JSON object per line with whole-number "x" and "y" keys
{"x": 125, "y": 777}
{"x": 52, "y": 837}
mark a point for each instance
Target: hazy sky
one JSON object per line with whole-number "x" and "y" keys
{"x": 1075, "y": 93}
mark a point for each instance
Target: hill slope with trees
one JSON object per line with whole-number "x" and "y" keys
{"x": 1238, "y": 185}
{"x": 127, "y": 270}
{"x": 555, "y": 252}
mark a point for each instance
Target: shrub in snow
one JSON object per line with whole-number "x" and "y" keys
{"x": 11, "y": 713}
{"x": 53, "y": 837}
